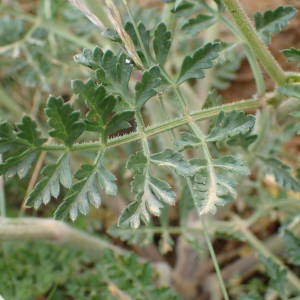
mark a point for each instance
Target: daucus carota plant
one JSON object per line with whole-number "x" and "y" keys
{"x": 147, "y": 91}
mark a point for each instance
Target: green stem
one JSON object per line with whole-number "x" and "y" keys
{"x": 250, "y": 35}
{"x": 256, "y": 70}
{"x": 162, "y": 127}
{"x": 209, "y": 244}
{"x": 214, "y": 260}
{"x": 28, "y": 229}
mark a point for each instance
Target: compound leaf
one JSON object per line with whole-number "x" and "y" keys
{"x": 199, "y": 23}
{"x": 193, "y": 66}
{"x": 290, "y": 90}
{"x": 119, "y": 121}
{"x": 230, "y": 125}
{"x": 52, "y": 176}
{"x": 86, "y": 191}
{"x": 276, "y": 273}
{"x": 215, "y": 183}
{"x": 19, "y": 164}
{"x": 145, "y": 89}
{"x": 151, "y": 194}
{"x": 272, "y": 21}
{"x": 292, "y": 54}
{"x": 292, "y": 247}
{"x": 142, "y": 237}
{"x": 281, "y": 172}
{"x": 175, "y": 160}
{"x": 133, "y": 214}
{"x": 161, "y": 43}
{"x": 99, "y": 103}
{"x": 27, "y": 131}
{"x": 7, "y": 137}
{"x": 63, "y": 120}
{"x": 151, "y": 200}
{"x": 187, "y": 140}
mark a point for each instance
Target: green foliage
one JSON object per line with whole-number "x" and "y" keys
{"x": 290, "y": 90}
{"x": 174, "y": 160}
{"x": 150, "y": 192}
{"x": 276, "y": 274}
{"x": 49, "y": 185}
{"x": 85, "y": 191}
{"x": 215, "y": 182}
{"x": 231, "y": 125}
{"x": 63, "y": 120}
{"x": 25, "y": 136}
{"x": 101, "y": 106}
{"x": 281, "y": 172}
{"x": 272, "y": 21}
{"x": 199, "y": 23}
{"x": 145, "y": 89}
{"x": 161, "y": 43}
{"x": 34, "y": 270}
{"x": 292, "y": 54}
{"x": 292, "y": 247}
{"x": 193, "y": 66}
{"x": 120, "y": 108}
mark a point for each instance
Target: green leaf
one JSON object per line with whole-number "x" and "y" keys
{"x": 119, "y": 121}
{"x": 63, "y": 120}
{"x": 290, "y": 90}
{"x": 151, "y": 200}
{"x": 199, "y": 23}
{"x": 175, "y": 160}
{"x": 281, "y": 172}
{"x": 49, "y": 184}
{"x": 187, "y": 140}
{"x": 151, "y": 194}
{"x": 193, "y": 66}
{"x": 142, "y": 237}
{"x": 27, "y": 131}
{"x": 272, "y": 21}
{"x": 277, "y": 275}
{"x": 226, "y": 70}
{"x": 292, "y": 54}
{"x": 213, "y": 99}
{"x": 86, "y": 191}
{"x": 291, "y": 247}
{"x": 161, "y": 43}
{"x": 7, "y": 137}
{"x": 230, "y": 125}
{"x": 183, "y": 8}
{"x": 145, "y": 38}
{"x": 114, "y": 72}
{"x": 137, "y": 162}
{"x": 132, "y": 215}
{"x": 145, "y": 89}
{"x": 100, "y": 105}
{"x": 19, "y": 164}
{"x": 215, "y": 183}
{"x": 89, "y": 58}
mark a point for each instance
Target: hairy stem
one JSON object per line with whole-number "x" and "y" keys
{"x": 159, "y": 128}
{"x": 250, "y": 54}
{"x": 250, "y": 35}
{"x": 209, "y": 244}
